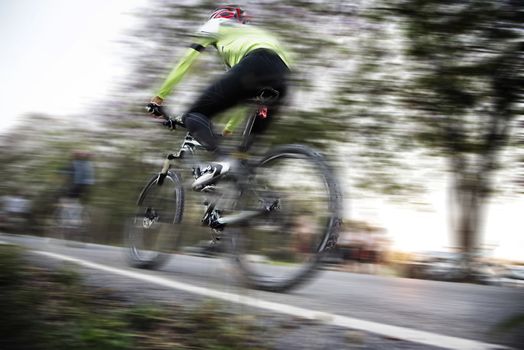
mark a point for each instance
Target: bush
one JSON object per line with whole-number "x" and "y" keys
{"x": 53, "y": 309}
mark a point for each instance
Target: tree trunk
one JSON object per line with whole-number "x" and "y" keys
{"x": 466, "y": 212}
{"x": 468, "y": 219}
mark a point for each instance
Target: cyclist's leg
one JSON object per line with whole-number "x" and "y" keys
{"x": 224, "y": 93}
{"x": 84, "y": 191}
{"x": 271, "y": 73}
{"x": 68, "y": 199}
{"x": 262, "y": 122}
{"x": 73, "y": 203}
{"x": 257, "y": 70}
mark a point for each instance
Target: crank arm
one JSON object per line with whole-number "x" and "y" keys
{"x": 246, "y": 215}
{"x": 240, "y": 217}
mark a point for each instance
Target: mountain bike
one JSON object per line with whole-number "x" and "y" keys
{"x": 280, "y": 213}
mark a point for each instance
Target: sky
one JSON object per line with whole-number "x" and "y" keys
{"x": 59, "y": 56}
{"x": 423, "y": 230}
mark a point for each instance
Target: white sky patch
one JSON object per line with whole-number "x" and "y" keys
{"x": 59, "y": 55}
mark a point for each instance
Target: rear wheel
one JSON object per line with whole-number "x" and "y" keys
{"x": 151, "y": 233}
{"x": 284, "y": 248}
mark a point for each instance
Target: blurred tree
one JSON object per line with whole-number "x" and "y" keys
{"x": 465, "y": 63}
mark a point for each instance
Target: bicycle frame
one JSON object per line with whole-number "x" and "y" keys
{"x": 212, "y": 217}
{"x": 246, "y": 191}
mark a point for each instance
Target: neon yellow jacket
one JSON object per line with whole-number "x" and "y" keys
{"x": 233, "y": 42}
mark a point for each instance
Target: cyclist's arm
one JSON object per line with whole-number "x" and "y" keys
{"x": 183, "y": 66}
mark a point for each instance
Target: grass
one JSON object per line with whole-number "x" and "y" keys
{"x": 54, "y": 309}
{"x": 513, "y": 322}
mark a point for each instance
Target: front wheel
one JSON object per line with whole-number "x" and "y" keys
{"x": 284, "y": 248}
{"x": 152, "y": 232}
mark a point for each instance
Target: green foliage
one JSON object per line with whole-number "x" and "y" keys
{"x": 20, "y": 322}
{"x": 146, "y": 317}
{"x": 9, "y": 258}
{"x": 43, "y": 309}
{"x": 464, "y": 59}
{"x": 514, "y": 322}
{"x": 466, "y": 63}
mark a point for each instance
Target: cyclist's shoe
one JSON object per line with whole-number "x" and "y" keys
{"x": 211, "y": 174}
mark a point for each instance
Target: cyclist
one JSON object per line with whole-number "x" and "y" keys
{"x": 80, "y": 175}
{"x": 256, "y": 61}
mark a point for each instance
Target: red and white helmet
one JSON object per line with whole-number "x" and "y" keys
{"x": 230, "y": 12}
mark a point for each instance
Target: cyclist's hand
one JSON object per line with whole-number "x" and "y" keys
{"x": 155, "y": 109}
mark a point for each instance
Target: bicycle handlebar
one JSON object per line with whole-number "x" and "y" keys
{"x": 158, "y": 111}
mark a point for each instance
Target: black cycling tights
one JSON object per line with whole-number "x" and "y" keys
{"x": 259, "y": 69}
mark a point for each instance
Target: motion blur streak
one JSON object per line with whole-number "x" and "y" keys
{"x": 426, "y": 338}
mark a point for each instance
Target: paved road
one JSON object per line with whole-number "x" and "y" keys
{"x": 452, "y": 309}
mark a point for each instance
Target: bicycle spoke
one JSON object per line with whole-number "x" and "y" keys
{"x": 279, "y": 249}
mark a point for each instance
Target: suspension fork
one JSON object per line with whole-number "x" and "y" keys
{"x": 165, "y": 168}
{"x": 188, "y": 146}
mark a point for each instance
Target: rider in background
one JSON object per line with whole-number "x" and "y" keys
{"x": 256, "y": 61}
{"x": 80, "y": 176}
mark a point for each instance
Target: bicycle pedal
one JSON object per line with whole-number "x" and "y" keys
{"x": 216, "y": 236}
{"x": 216, "y": 226}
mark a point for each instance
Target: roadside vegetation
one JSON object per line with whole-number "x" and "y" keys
{"x": 54, "y": 309}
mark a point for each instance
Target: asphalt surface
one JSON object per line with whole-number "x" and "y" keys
{"x": 459, "y": 310}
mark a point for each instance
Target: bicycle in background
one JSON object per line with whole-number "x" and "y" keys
{"x": 70, "y": 220}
